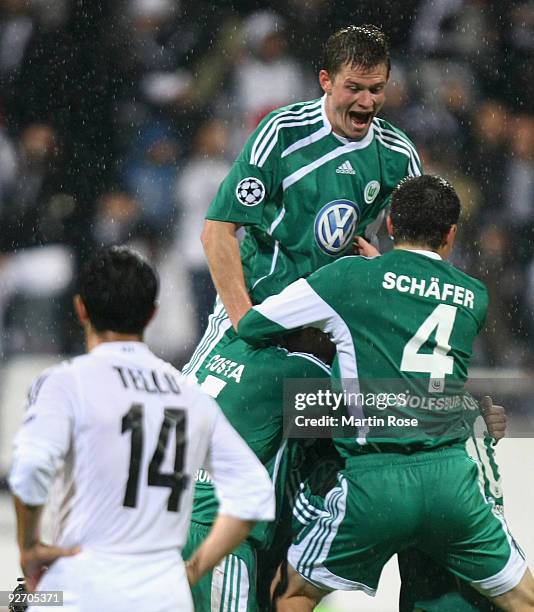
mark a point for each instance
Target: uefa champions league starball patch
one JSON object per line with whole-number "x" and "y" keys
{"x": 250, "y": 191}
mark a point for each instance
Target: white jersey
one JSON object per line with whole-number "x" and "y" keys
{"x": 125, "y": 434}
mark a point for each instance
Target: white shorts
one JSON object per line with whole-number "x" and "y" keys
{"x": 97, "y": 582}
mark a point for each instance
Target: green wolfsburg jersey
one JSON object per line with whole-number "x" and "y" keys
{"x": 303, "y": 193}
{"x": 248, "y": 386}
{"x": 407, "y": 317}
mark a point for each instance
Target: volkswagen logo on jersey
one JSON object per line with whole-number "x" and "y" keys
{"x": 335, "y": 226}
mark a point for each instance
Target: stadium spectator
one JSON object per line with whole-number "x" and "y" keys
{"x": 17, "y": 26}
{"x": 172, "y": 57}
{"x": 150, "y": 174}
{"x": 519, "y": 179}
{"x": 116, "y": 218}
{"x": 398, "y": 106}
{"x": 267, "y": 76}
{"x": 520, "y": 41}
{"x": 8, "y": 167}
{"x": 502, "y": 277}
{"x": 196, "y": 187}
{"x": 460, "y": 29}
{"x": 489, "y": 147}
{"x": 36, "y": 211}
{"x": 32, "y": 283}
{"x": 37, "y": 265}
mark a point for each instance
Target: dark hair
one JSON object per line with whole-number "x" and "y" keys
{"x": 365, "y": 46}
{"x": 119, "y": 290}
{"x": 423, "y": 209}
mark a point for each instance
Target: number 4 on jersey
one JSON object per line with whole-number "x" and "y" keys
{"x": 175, "y": 480}
{"x": 438, "y": 363}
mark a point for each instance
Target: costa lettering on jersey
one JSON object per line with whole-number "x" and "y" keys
{"x": 226, "y": 367}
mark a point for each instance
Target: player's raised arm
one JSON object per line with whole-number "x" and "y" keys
{"x": 245, "y": 493}
{"x": 222, "y": 252}
{"x": 240, "y": 201}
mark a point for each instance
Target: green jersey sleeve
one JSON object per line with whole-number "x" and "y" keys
{"x": 298, "y": 305}
{"x": 252, "y": 183}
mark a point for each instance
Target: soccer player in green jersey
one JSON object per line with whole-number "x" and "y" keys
{"x": 408, "y": 481}
{"x": 247, "y": 383}
{"x": 311, "y": 177}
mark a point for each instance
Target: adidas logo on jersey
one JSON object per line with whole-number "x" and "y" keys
{"x": 345, "y": 168}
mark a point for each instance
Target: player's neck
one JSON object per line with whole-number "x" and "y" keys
{"x": 94, "y": 338}
{"x": 443, "y": 251}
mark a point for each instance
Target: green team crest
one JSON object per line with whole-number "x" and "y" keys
{"x": 371, "y": 191}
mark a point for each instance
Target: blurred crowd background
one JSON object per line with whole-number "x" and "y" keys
{"x": 119, "y": 119}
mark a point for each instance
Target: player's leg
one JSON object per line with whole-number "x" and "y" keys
{"x": 347, "y": 537}
{"x": 292, "y": 593}
{"x": 427, "y": 586}
{"x": 520, "y": 598}
{"x": 465, "y": 533}
{"x": 231, "y": 585}
{"x": 268, "y": 562}
{"x": 313, "y": 466}
{"x": 272, "y": 550}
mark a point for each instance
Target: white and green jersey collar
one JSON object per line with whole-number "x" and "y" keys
{"x": 430, "y": 254}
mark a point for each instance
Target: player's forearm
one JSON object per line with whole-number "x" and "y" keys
{"x": 224, "y": 260}
{"x": 28, "y": 524}
{"x": 225, "y": 535}
{"x": 35, "y": 557}
{"x": 258, "y": 330}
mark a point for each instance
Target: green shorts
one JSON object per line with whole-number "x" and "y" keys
{"x": 428, "y": 586}
{"x": 231, "y": 585}
{"x": 385, "y": 503}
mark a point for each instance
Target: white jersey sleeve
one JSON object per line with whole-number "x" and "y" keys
{"x": 44, "y": 439}
{"x": 242, "y": 484}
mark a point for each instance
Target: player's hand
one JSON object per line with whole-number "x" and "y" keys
{"x": 362, "y": 247}
{"x": 495, "y": 418}
{"x": 35, "y": 560}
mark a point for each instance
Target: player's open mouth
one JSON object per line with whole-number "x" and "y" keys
{"x": 360, "y": 120}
